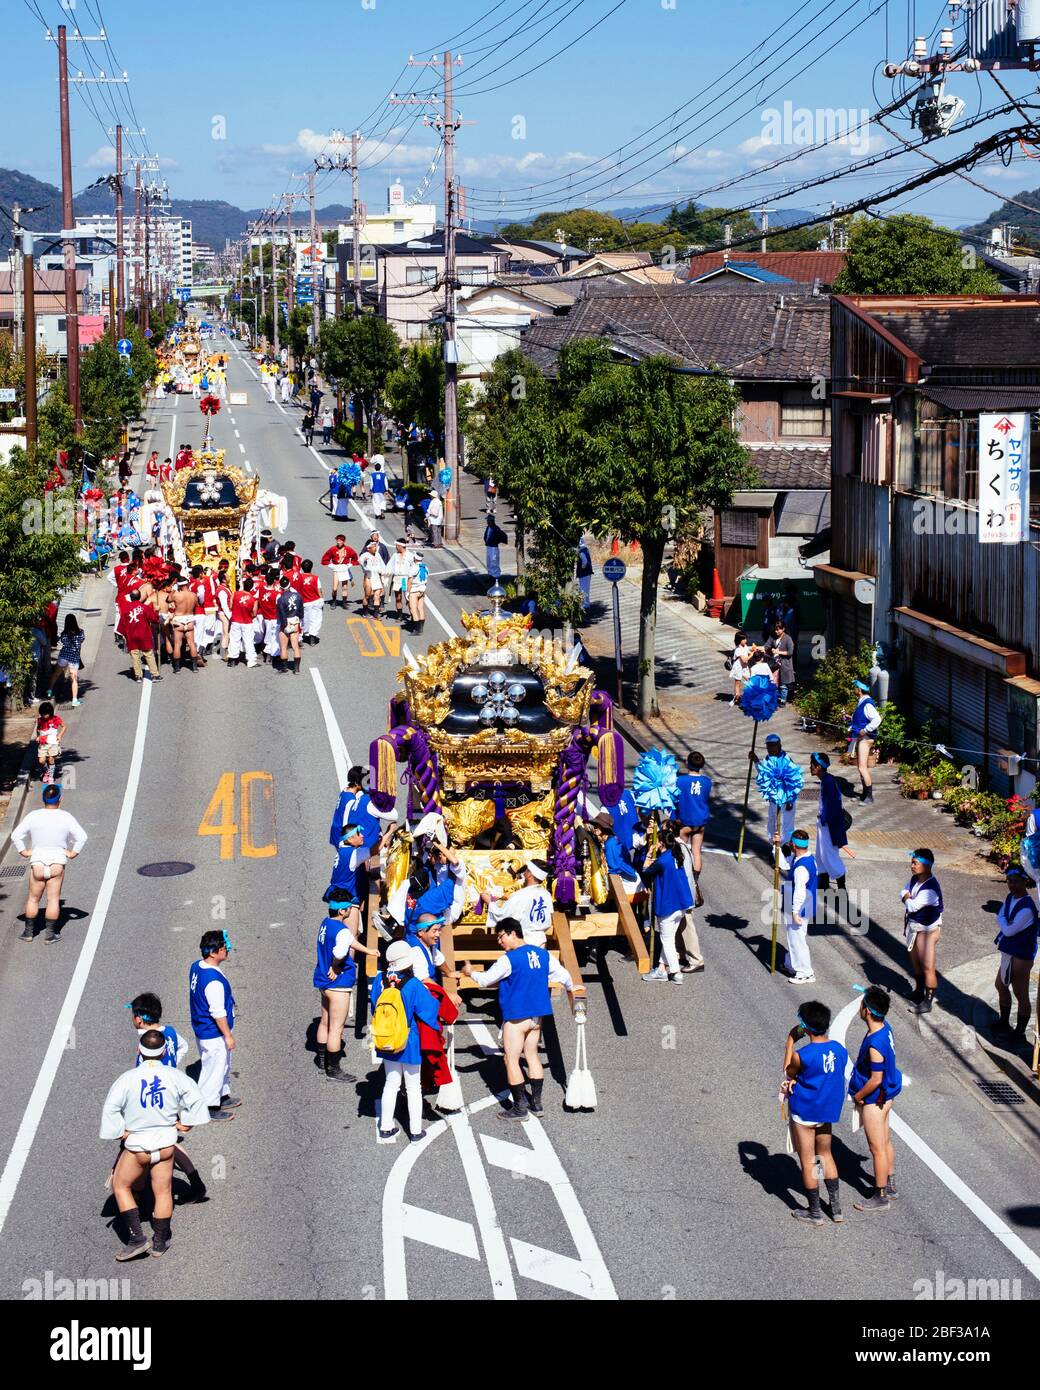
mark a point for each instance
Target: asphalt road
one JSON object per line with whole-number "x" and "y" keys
{"x": 678, "y": 1185}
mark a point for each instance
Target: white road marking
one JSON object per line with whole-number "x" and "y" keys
{"x": 30, "y": 1123}
{"x": 173, "y": 428}
{"x": 248, "y": 466}
{"x": 440, "y": 617}
{"x": 483, "y": 1037}
{"x": 340, "y": 755}
{"x": 237, "y": 435}
{"x": 241, "y": 447}
{"x": 409, "y": 657}
{"x": 1022, "y": 1252}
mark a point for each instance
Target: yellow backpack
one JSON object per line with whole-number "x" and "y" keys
{"x": 390, "y": 1022}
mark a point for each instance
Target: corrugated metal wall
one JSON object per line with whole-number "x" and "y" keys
{"x": 983, "y": 589}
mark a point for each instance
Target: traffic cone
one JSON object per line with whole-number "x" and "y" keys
{"x": 718, "y": 597}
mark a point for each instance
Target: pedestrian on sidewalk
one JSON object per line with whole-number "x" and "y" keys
{"x": 326, "y": 426}
{"x": 832, "y": 823}
{"x": 70, "y": 650}
{"x": 48, "y": 837}
{"x": 523, "y": 974}
{"x": 693, "y": 811}
{"x": 435, "y": 521}
{"x": 874, "y": 1084}
{"x": 687, "y": 940}
{"x": 922, "y": 900}
{"x": 494, "y": 537}
{"x": 417, "y": 592}
{"x": 285, "y": 388}
{"x": 50, "y": 729}
{"x": 583, "y": 574}
{"x": 1019, "y": 927}
{"x": 146, "y": 1014}
{"x": 395, "y": 1035}
{"x": 672, "y": 897}
{"x": 139, "y": 624}
{"x": 798, "y": 899}
{"x": 739, "y": 665}
{"x": 212, "y": 1006}
{"x": 862, "y": 733}
{"x": 781, "y": 648}
{"x": 776, "y": 757}
{"x": 308, "y": 428}
{"x": 815, "y": 1091}
{"x": 147, "y": 1107}
{"x": 44, "y": 634}
{"x": 335, "y": 975}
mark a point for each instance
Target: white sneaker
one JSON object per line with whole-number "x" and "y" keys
{"x": 676, "y": 979}
{"x": 802, "y": 980}
{"x": 657, "y": 977}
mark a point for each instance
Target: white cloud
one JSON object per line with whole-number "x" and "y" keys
{"x": 104, "y": 157}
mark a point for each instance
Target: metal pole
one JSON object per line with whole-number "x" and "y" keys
{"x": 747, "y": 793}
{"x": 120, "y": 248}
{"x": 112, "y": 301}
{"x": 315, "y": 316}
{"x": 147, "y": 301}
{"x": 275, "y": 306}
{"x": 616, "y": 601}
{"x": 355, "y": 224}
{"x": 68, "y": 225}
{"x": 16, "y": 227}
{"x": 451, "y": 386}
{"x": 137, "y": 240}
{"x": 28, "y": 272}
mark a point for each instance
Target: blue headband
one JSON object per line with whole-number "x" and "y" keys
{"x": 924, "y": 856}
{"x": 822, "y": 759}
{"x": 799, "y": 838}
{"x": 862, "y": 685}
{"x": 227, "y": 941}
{"x": 862, "y": 989}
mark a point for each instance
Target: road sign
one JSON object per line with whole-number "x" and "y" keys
{"x": 236, "y": 297}
{"x": 614, "y": 570}
{"x": 184, "y": 292}
{"x": 148, "y": 333}
{"x": 124, "y": 347}
{"x": 8, "y": 395}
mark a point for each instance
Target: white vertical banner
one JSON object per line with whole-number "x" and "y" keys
{"x": 1004, "y": 478}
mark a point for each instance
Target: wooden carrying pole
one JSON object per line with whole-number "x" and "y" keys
{"x": 747, "y": 793}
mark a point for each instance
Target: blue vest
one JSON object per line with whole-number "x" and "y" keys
{"x": 819, "y": 1089}
{"x": 437, "y": 899}
{"x": 671, "y": 887}
{"x": 882, "y": 1042}
{"x": 807, "y": 862}
{"x": 625, "y": 818}
{"x": 1023, "y": 944}
{"x": 327, "y": 933}
{"x": 619, "y": 860}
{"x": 928, "y": 915}
{"x": 859, "y": 718}
{"x": 378, "y": 482}
{"x": 202, "y": 1023}
{"x": 524, "y": 993}
{"x": 416, "y": 944}
{"x": 169, "y": 1057}
{"x": 360, "y": 816}
{"x": 692, "y": 806}
{"x": 348, "y": 882}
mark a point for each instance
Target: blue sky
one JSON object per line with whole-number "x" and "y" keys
{"x": 271, "y": 90}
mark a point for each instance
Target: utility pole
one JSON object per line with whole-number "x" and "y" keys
{"x": 315, "y": 315}
{"x": 275, "y": 306}
{"x": 146, "y": 302}
{"x": 764, "y": 246}
{"x": 28, "y": 271}
{"x": 137, "y": 241}
{"x": 120, "y": 247}
{"x": 16, "y": 274}
{"x": 447, "y": 123}
{"x": 112, "y": 300}
{"x": 357, "y": 221}
{"x": 68, "y": 220}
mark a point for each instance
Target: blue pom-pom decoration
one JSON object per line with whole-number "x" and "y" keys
{"x": 349, "y": 473}
{"x": 779, "y": 780}
{"x": 759, "y": 699}
{"x": 655, "y": 781}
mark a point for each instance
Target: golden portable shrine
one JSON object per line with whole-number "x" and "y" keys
{"x": 211, "y": 503}
{"x": 496, "y": 731}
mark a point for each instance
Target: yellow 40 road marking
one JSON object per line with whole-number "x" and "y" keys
{"x": 219, "y": 816}
{"x": 367, "y": 633}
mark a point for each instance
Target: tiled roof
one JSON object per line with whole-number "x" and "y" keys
{"x": 1002, "y": 332}
{"x": 751, "y": 335}
{"x": 805, "y": 266}
{"x": 791, "y": 466}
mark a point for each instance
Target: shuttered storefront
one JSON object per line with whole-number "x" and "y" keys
{"x": 930, "y": 675}
{"x": 966, "y": 705}
{"x": 851, "y": 622}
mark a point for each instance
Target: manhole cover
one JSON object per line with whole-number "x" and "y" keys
{"x": 1000, "y": 1093}
{"x": 169, "y": 869}
{"x": 16, "y": 871}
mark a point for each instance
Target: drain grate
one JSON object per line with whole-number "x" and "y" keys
{"x": 168, "y": 869}
{"x": 1000, "y": 1093}
{"x": 17, "y": 871}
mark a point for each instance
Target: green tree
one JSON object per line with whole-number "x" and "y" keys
{"x": 707, "y": 226}
{"x": 361, "y": 353}
{"x": 651, "y": 451}
{"x": 415, "y": 390}
{"x": 38, "y": 562}
{"x": 908, "y": 254}
{"x": 109, "y": 398}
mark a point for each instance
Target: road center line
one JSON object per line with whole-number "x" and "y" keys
{"x": 340, "y": 756}
{"x": 173, "y": 429}
{"x": 1022, "y": 1252}
{"x": 23, "y": 1140}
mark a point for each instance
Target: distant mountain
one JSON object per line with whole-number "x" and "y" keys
{"x": 1027, "y": 223}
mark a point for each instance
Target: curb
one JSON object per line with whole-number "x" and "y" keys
{"x": 16, "y": 805}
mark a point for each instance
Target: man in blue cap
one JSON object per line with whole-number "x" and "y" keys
{"x": 862, "y": 732}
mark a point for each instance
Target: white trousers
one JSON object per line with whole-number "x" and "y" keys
{"x": 215, "y": 1075}
{"x": 786, "y": 823}
{"x": 688, "y": 939}
{"x": 206, "y": 629}
{"x": 378, "y": 503}
{"x": 265, "y": 634}
{"x": 828, "y": 860}
{"x": 312, "y": 616}
{"x": 667, "y": 927}
{"x": 241, "y": 643}
{"x": 797, "y": 959}
{"x": 409, "y": 1072}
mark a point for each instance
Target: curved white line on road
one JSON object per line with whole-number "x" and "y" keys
{"x": 23, "y": 1140}
{"x": 1015, "y": 1245}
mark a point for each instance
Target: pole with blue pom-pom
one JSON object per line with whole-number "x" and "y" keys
{"x": 758, "y": 701}
{"x": 779, "y": 780}
{"x": 655, "y": 787}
